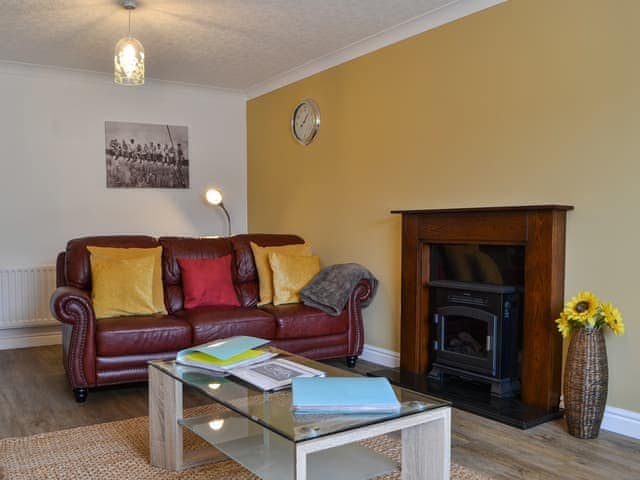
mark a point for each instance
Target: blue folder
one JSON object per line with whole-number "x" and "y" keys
{"x": 343, "y": 395}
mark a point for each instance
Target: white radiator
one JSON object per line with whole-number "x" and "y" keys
{"x": 24, "y": 296}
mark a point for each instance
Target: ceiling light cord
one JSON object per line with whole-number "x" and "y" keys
{"x": 129, "y": 32}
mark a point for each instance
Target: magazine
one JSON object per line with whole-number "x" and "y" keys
{"x": 274, "y": 374}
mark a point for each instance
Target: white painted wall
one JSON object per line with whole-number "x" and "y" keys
{"x": 53, "y": 179}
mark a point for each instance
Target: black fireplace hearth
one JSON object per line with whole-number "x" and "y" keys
{"x": 474, "y": 397}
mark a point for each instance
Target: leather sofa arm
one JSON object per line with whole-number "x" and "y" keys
{"x": 73, "y": 307}
{"x": 362, "y": 292}
{"x": 359, "y": 297}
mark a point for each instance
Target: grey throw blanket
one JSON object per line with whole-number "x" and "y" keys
{"x": 330, "y": 289}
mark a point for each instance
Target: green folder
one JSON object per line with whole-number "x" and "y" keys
{"x": 224, "y": 354}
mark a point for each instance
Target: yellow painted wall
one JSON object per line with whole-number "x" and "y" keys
{"x": 529, "y": 102}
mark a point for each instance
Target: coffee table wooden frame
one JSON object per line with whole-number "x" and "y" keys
{"x": 426, "y": 436}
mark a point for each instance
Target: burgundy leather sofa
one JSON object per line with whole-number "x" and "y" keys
{"x": 116, "y": 350}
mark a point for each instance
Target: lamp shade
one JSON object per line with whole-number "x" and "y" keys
{"x": 214, "y": 196}
{"x": 128, "y": 62}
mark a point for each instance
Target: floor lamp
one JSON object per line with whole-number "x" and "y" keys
{"x": 214, "y": 197}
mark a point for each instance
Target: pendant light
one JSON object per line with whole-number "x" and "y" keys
{"x": 128, "y": 60}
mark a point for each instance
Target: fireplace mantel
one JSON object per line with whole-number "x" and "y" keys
{"x": 513, "y": 208}
{"x": 540, "y": 229}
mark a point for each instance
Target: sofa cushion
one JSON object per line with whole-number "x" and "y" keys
{"x": 263, "y": 266}
{"x": 291, "y": 273}
{"x": 210, "y": 323}
{"x": 296, "y": 320}
{"x": 207, "y": 282}
{"x": 77, "y": 270}
{"x": 122, "y": 286}
{"x": 246, "y": 276}
{"x": 129, "y": 253}
{"x": 179, "y": 247}
{"x": 141, "y": 334}
{"x": 329, "y": 346}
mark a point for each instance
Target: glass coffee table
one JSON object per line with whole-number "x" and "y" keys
{"x": 261, "y": 432}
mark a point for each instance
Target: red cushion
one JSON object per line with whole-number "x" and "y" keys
{"x": 208, "y": 282}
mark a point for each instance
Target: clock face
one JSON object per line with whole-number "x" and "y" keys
{"x": 305, "y": 122}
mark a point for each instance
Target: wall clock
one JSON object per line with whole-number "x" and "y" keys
{"x": 305, "y": 121}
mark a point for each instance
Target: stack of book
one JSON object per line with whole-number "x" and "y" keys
{"x": 238, "y": 356}
{"x": 343, "y": 395}
{"x": 224, "y": 355}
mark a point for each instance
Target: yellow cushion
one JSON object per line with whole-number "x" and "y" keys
{"x": 122, "y": 286}
{"x": 261, "y": 257}
{"x": 128, "y": 253}
{"x": 290, "y": 274}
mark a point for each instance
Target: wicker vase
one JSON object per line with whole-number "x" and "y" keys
{"x": 586, "y": 380}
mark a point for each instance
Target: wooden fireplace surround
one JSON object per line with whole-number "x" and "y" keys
{"x": 541, "y": 230}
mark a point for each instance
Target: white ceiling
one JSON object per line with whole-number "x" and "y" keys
{"x": 233, "y": 44}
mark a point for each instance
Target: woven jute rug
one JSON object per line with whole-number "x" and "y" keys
{"x": 120, "y": 450}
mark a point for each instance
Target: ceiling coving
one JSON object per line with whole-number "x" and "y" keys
{"x": 232, "y": 44}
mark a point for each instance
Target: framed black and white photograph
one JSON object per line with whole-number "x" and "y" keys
{"x": 144, "y": 155}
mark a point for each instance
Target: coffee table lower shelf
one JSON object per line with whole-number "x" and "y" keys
{"x": 272, "y": 457}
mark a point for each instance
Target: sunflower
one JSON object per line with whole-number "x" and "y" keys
{"x": 564, "y": 327}
{"x": 583, "y": 308}
{"x": 613, "y": 317}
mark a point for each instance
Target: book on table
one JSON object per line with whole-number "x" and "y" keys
{"x": 343, "y": 395}
{"x": 226, "y": 354}
{"x": 274, "y": 374}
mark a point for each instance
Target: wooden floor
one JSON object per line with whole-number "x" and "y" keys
{"x": 35, "y": 398}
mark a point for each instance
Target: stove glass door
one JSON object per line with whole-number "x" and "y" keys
{"x": 466, "y": 338}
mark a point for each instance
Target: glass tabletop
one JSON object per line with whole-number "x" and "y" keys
{"x": 272, "y": 410}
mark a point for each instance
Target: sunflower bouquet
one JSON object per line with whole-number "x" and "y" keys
{"x": 585, "y": 311}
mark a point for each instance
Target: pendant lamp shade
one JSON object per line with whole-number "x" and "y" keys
{"x": 128, "y": 62}
{"x": 128, "y": 58}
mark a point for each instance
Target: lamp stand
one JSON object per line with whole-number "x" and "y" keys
{"x": 224, "y": 209}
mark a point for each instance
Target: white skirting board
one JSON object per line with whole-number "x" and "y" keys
{"x": 11, "y": 338}
{"x": 617, "y": 420}
{"x": 624, "y": 422}
{"x": 381, "y": 356}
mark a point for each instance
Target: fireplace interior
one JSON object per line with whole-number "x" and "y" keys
{"x": 481, "y": 288}
{"x": 475, "y": 313}
{"x": 475, "y": 328}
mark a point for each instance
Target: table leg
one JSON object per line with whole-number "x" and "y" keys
{"x": 165, "y": 409}
{"x": 300, "y": 465}
{"x": 426, "y": 449}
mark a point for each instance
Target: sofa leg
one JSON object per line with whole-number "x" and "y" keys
{"x": 351, "y": 361}
{"x": 81, "y": 394}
